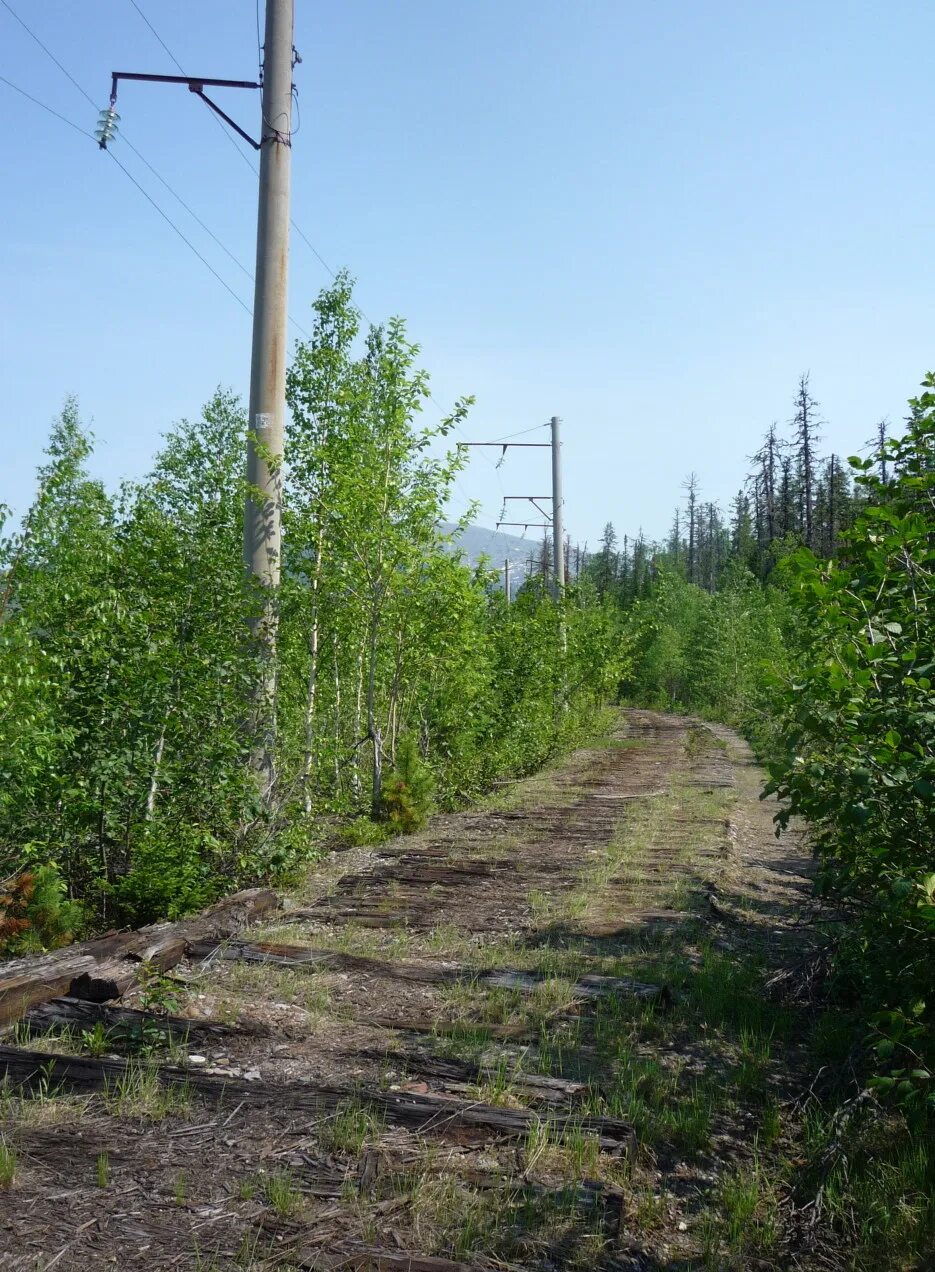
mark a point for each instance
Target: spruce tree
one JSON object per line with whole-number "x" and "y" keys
{"x": 806, "y": 439}
{"x": 690, "y": 486}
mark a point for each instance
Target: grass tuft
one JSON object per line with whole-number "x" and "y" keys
{"x": 139, "y": 1093}
{"x": 7, "y": 1165}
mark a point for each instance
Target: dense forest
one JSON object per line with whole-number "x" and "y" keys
{"x": 807, "y": 621}
{"x": 125, "y": 669}
{"x": 406, "y": 680}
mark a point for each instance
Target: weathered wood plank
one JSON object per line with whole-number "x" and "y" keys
{"x": 374, "y": 1260}
{"x": 61, "y": 1014}
{"x": 589, "y": 986}
{"x": 24, "y": 982}
{"x": 537, "y": 1086}
{"x": 426, "y": 1113}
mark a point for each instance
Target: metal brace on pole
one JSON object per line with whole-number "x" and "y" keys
{"x": 196, "y": 84}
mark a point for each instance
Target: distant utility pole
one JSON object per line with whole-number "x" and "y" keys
{"x": 263, "y": 512}
{"x": 555, "y": 522}
{"x": 506, "y": 580}
{"x": 558, "y": 519}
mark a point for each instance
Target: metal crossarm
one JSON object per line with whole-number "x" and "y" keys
{"x": 196, "y": 84}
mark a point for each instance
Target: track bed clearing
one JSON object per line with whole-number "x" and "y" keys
{"x": 535, "y": 1035}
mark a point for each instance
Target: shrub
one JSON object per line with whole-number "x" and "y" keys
{"x": 35, "y": 913}
{"x": 859, "y": 735}
{"x": 408, "y": 790}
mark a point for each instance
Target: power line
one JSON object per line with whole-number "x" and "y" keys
{"x": 522, "y": 433}
{"x": 298, "y": 229}
{"x": 295, "y": 225}
{"x": 158, "y": 37}
{"x": 315, "y": 252}
{"x": 48, "y": 52}
{"x": 36, "y": 102}
{"x": 146, "y": 195}
{"x": 249, "y": 162}
{"x": 226, "y": 131}
{"x": 87, "y": 96}
{"x": 465, "y": 497}
{"x": 207, "y": 229}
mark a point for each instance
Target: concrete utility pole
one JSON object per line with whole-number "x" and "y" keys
{"x": 557, "y": 520}
{"x": 506, "y": 579}
{"x": 558, "y": 510}
{"x": 263, "y": 513}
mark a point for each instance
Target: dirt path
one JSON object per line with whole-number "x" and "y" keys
{"x": 533, "y": 1036}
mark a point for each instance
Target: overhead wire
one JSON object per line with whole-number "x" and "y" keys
{"x": 146, "y": 195}
{"x": 88, "y": 98}
{"x": 84, "y": 133}
{"x": 295, "y": 225}
{"x": 48, "y": 52}
{"x": 159, "y": 177}
{"x": 172, "y": 56}
{"x": 522, "y": 433}
{"x": 165, "y": 216}
{"x": 178, "y": 66}
{"x": 247, "y": 160}
{"x": 298, "y": 229}
{"x": 36, "y": 102}
{"x": 496, "y": 466}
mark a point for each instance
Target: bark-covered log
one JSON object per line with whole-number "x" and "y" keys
{"x": 73, "y": 971}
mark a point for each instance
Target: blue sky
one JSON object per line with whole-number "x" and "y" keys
{"x": 646, "y": 218}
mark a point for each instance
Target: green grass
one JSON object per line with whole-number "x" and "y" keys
{"x": 349, "y": 1128}
{"x": 744, "y": 1223}
{"x": 7, "y": 1165}
{"x": 301, "y": 986}
{"x": 877, "y": 1191}
{"x": 364, "y": 833}
{"x": 97, "y": 1040}
{"x": 280, "y": 1192}
{"x": 139, "y": 1093}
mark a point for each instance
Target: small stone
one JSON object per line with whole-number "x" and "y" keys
{"x": 682, "y": 1226}
{"x": 193, "y": 1059}
{"x": 252, "y": 1075}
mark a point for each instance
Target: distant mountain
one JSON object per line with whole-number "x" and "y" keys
{"x": 475, "y": 542}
